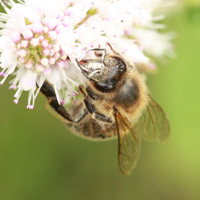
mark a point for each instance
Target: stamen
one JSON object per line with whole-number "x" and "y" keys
{"x": 57, "y": 94}
{"x": 9, "y": 71}
{"x": 75, "y": 83}
{"x": 16, "y": 101}
{"x": 31, "y": 96}
{"x": 18, "y": 94}
{"x": 62, "y": 102}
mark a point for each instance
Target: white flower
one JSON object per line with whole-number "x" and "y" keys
{"x": 41, "y": 39}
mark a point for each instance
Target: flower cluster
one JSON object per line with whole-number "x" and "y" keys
{"x": 41, "y": 39}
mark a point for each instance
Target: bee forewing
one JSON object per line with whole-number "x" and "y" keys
{"x": 153, "y": 124}
{"x": 129, "y": 145}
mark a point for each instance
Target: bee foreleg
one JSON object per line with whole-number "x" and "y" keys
{"x": 92, "y": 94}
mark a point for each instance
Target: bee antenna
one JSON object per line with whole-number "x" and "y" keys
{"x": 112, "y": 48}
{"x": 98, "y": 49}
{"x": 81, "y": 66}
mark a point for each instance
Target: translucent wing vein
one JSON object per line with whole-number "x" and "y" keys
{"x": 129, "y": 145}
{"x": 154, "y": 123}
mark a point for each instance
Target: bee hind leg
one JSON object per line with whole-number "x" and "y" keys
{"x": 49, "y": 92}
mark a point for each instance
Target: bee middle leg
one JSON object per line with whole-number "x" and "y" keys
{"x": 90, "y": 106}
{"x": 91, "y": 109}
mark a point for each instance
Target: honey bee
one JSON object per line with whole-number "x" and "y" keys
{"x": 116, "y": 103}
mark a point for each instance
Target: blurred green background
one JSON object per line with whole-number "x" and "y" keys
{"x": 40, "y": 159}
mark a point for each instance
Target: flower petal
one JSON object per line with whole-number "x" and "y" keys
{"x": 28, "y": 80}
{"x": 54, "y": 76}
{"x": 8, "y": 59}
{"x": 6, "y": 43}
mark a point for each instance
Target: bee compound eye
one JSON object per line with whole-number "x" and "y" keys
{"x": 121, "y": 67}
{"x": 104, "y": 88}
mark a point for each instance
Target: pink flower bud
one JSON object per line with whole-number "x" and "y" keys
{"x": 24, "y": 43}
{"x": 27, "y": 34}
{"x": 16, "y": 37}
{"x": 37, "y": 27}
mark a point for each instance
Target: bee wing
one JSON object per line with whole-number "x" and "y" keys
{"x": 129, "y": 144}
{"x": 154, "y": 123}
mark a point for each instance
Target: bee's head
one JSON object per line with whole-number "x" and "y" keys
{"x": 104, "y": 74}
